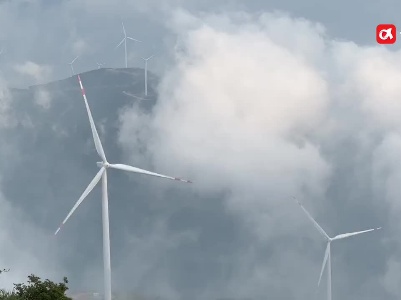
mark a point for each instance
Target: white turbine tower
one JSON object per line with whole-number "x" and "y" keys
{"x": 71, "y": 65}
{"x": 104, "y": 165}
{"x": 146, "y": 73}
{"x": 124, "y": 40}
{"x": 327, "y": 255}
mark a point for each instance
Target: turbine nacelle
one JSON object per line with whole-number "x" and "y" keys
{"x": 101, "y": 164}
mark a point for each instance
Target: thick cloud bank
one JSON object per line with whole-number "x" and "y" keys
{"x": 261, "y": 107}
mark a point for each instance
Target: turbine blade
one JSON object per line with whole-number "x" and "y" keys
{"x": 125, "y": 34}
{"x": 96, "y": 139}
{"x": 326, "y": 255}
{"x": 74, "y": 60}
{"x": 145, "y": 59}
{"x": 90, "y": 187}
{"x": 313, "y": 221}
{"x": 120, "y": 43}
{"x": 346, "y": 235}
{"x": 132, "y": 39}
{"x": 133, "y": 96}
{"x": 141, "y": 171}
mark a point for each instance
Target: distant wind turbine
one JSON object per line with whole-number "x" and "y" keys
{"x": 71, "y": 65}
{"x": 104, "y": 165}
{"x": 327, "y": 255}
{"x": 124, "y": 40}
{"x": 99, "y": 65}
{"x": 146, "y": 73}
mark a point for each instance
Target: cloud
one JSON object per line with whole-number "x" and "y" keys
{"x": 79, "y": 47}
{"x": 5, "y": 105}
{"x": 40, "y": 73}
{"x": 43, "y": 98}
{"x": 256, "y": 109}
{"x": 234, "y": 115}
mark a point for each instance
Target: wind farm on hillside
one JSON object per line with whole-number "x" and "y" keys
{"x": 255, "y": 131}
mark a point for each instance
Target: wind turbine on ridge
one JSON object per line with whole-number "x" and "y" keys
{"x": 71, "y": 65}
{"x": 102, "y": 174}
{"x": 124, "y": 40}
{"x": 327, "y": 255}
{"x": 146, "y": 73}
{"x": 99, "y": 65}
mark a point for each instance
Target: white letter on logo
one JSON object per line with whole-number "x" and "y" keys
{"x": 388, "y": 33}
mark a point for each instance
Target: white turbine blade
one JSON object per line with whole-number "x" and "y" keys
{"x": 346, "y": 235}
{"x": 90, "y": 187}
{"x": 141, "y": 171}
{"x": 125, "y": 34}
{"x": 145, "y": 59}
{"x": 132, "y": 39}
{"x": 74, "y": 60}
{"x": 122, "y": 41}
{"x": 313, "y": 221}
{"x": 133, "y": 96}
{"x": 326, "y": 255}
{"x": 96, "y": 139}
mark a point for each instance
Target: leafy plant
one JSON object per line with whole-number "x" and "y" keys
{"x": 36, "y": 289}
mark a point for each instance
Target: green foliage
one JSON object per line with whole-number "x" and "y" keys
{"x": 36, "y": 289}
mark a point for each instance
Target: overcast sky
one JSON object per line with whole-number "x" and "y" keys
{"x": 257, "y": 102}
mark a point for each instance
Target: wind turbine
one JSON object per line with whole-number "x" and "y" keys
{"x": 104, "y": 165}
{"x": 327, "y": 255}
{"x": 146, "y": 73}
{"x": 124, "y": 40}
{"x": 99, "y": 65}
{"x": 71, "y": 65}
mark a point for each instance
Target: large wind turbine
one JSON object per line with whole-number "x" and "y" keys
{"x": 146, "y": 73}
{"x": 71, "y": 65}
{"x": 124, "y": 40}
{"x": 104, "y": 165}
{"x": 327, "y": 255}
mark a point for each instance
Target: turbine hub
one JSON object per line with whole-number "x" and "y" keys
{"x": 101, "y": 164}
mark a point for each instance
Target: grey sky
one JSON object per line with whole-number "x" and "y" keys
{"x": 253, "y": 105}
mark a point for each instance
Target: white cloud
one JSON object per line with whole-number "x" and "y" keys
{"x": 43, "y": 98}
{"x": 392, "y": 277}
{"x": 229, "y": 113}
{"x": 79, "y": 47}
{"x": 250, "y": 104}
{"x": 40, "y": 73}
